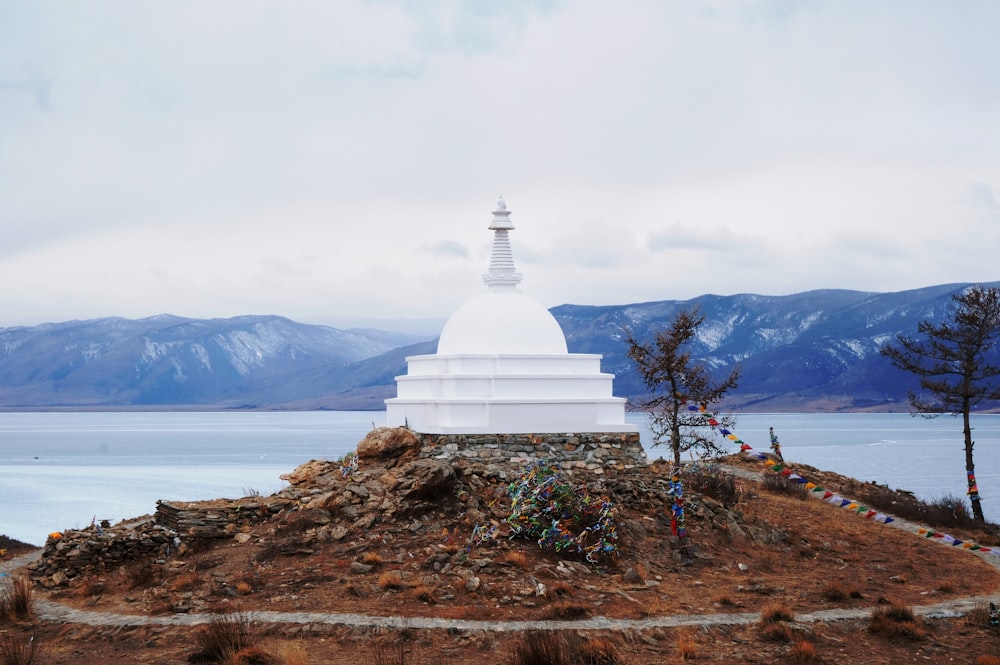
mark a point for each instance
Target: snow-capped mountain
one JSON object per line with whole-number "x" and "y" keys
{"x": 818, "y": 349}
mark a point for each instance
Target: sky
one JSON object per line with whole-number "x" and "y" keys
{"x": 337, "y": 161}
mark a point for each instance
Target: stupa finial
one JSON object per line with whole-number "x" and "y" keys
{"x": 502, "y": 272}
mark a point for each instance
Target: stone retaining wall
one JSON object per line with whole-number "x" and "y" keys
{"x": 594, "y": 451}
{"x": 199, "y": 522}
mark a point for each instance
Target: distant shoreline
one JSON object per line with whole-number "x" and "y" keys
{"x": 818, "y": 406}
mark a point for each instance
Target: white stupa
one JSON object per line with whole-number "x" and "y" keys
{"x": 502, "y": 367}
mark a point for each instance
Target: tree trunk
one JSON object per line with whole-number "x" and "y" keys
{"x": 676, "y": 444}
{"x": 675, "y": 434}
{"x": 970, "y": 467}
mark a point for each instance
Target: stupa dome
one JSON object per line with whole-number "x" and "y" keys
{"x": 501, "y": 321}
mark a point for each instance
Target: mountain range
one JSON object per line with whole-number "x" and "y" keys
{"x": 817, "y": 350}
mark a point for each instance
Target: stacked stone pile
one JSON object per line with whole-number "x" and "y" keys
{"x": 176, "y": 528}
{"x": 195, "y": 522}
{"x": 71, "y": 554}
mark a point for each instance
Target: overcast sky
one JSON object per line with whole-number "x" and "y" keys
{"x": 333, "y": 161}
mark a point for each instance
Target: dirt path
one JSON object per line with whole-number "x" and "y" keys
{"x": 54, "y": 612}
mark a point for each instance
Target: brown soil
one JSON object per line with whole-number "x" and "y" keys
{"x": 771, "y": 551}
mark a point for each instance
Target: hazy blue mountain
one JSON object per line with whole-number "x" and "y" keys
{"x": 172, "y": 360}
{"x": 817, "y": 349}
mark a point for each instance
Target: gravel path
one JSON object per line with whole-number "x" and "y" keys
{"x": 53, "y": 612}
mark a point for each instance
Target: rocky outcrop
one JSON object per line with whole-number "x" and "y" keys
{"x": 398, "y": 481}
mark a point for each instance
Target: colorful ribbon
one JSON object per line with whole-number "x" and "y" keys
{"x": 835, "y": 499}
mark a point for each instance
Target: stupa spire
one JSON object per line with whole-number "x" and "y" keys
{"x": 502, "y": 272}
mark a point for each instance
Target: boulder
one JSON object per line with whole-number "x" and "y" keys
{"x": 388, "y": 442}
{"x": 308, "y": 473}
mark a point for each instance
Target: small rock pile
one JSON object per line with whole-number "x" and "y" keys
{"x": 71, "y": 554}
{"x": 175, "y": 529}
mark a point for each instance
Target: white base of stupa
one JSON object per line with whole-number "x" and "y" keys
{"x": 504, "y": 393}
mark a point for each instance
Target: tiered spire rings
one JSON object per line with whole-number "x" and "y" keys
{"x": 502, "y": 271}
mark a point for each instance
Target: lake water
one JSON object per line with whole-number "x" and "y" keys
{"x": 62, "y": 470}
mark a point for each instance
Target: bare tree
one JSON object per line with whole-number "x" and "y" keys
{"x": 675, "y": 380}
{"x": 950, "y": 358}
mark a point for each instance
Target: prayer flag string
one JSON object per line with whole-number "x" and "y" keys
{"x": 778, "y": 466}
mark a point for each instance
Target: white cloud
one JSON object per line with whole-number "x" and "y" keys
{"x": 340, "y": 160}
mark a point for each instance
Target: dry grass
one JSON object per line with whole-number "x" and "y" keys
{"x": 715, "y": 483}
{"x": 764, "y": 560}
{"x": 771, "y": 626}
{"x": 598, "y": 650}
{"x": 390, "y": 580}
{"x": 687, "y": 648}
{"x": 894, "y": 621}
{"x": 774, "y": 612}
{"x": 775, "y": 632}
{"x": 978, "y": 616}
{"x": 294, "y": 654}
{"x": 389, "y": 654}
{"x": 424, "y": 593}
{"x": 987, "y": 659}
{"x": 566, "y": 610}
{"x": 725, "y": 600}
{"x": 778, "y": 484}
{"x": 802, "y": 653}
{"x": 17, "y": 599}
{"x": 563, "y": 648}
{"x": 185, "y": 582}
{"x": 253, "y": 656}
{"x": 18, "y": 649}
{"x": 223, "y": 637}
{"x": 539, "y": 648}
{"x": 949, "y": 511}
{"x": 838, "y": 591}
{"x": 561, "y": 588}
{"x": 516, "y": 558}
{"x": 372, "y": 559}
